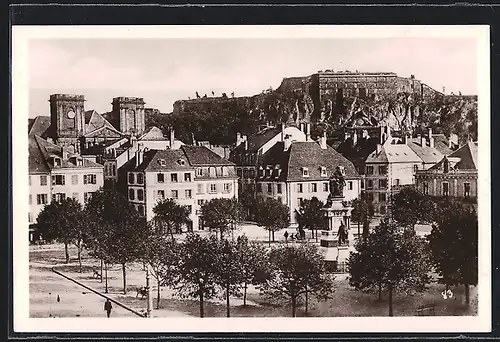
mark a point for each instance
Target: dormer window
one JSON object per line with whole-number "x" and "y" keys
{"x": 323, "y": 171}
{"x": 269, "y": 171}
{"x": 261, "y": 171}
{"x": 181, "y": 162}
{"x": 79, "y": 162}
{"x": 57, "y": 161}
{"x": 162, "y": 162}
{"x": 305, "y": 172}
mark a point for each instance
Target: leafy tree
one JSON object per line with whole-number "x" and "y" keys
{"x": 249, "y": 203}
{"x": 454, "y": 246}
{"x": 128, "y": 231}
{"x": 227, "y": 267}
{"x": 170, "y": 216}
{"x": 163, "y": 256}
{"x": 221, "y": 214}
{"x": 197, "y": 275}
{"x": 409, "y": 207}
{"x": 272, "y": 215}
{"x": 361, "y": 213}
{"x": 254, "y": 267}
{"x": 64, "y": 222}
{"x": 309, "y": 215}
{"x": 298, "y": 270}
{"x": 401, "y": 260}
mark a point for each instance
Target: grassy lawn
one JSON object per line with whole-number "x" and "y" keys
{"x": 76, "y": 301}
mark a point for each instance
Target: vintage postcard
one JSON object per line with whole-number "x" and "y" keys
{"x": 251, "y": 179}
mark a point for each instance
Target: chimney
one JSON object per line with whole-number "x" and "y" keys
{"x": 422, "y": 141}
{"x": 172, "y": 138}
{"x": 323, "y": 141}
{"x": 65, "y": 153}
{"x": 449, "y": 143}
{"x": 430, "y": 133}
{"x": 238, "y": 139}
{"x": 379, "y": 148}
{"x": 382, "y": 135}
{"x": 302, "y": 127}
{"x": 308, "y": 131}
{"x": 431, "y": 142}
{"x": 246, "y": 142}
{"x": 287, "y": 143}
{"x": 282, "y": 132}
{"x": 406, "y": 139}
{"x": 355, "y": 139}
{"x": 137, "y": 163}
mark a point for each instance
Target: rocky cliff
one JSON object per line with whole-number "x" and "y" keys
{"x": 328, "y": 100}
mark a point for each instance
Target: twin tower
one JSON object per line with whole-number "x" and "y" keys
{"x": 70, "y": 121}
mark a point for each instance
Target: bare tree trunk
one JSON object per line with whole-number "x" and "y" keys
{"x": 467, "y": 294}
{"x": 269, "y": 238}
{"x": 245, "y": 293}
{"x": 79, "y": 247}
{"x": 379, "y": 292}
{"x": 294, "y": 304}
{"x": 101, "y": 270}
{"x": 66, "y": 252}
{"x": 106, "y": 270}
{"x": 227, "y": 300}
{"x": 316, "y": 234}
{"x": 307, "y": 300}
{"x": 201, "y": 302}
{"x": 158, "y": 296}
{"x": 391, "y": 313}
{"x": 124, "y": 279}
{"x": 273, "y": 235}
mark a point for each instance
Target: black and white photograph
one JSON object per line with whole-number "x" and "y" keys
{"x": 265, "y": 178}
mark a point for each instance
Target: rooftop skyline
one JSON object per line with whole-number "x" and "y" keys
{"x": 165, "y": 70}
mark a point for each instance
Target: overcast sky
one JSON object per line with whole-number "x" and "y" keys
{"x": 165, "y": 70}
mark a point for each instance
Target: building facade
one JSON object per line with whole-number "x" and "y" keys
{"x": 295, "y": 171}
{"x": 190, "y": 175}
{"x": 56, "y": 173}
{"x": 454, "y": 176}
{"x": 394, "y": 164}
{"x": 248, "y": 150}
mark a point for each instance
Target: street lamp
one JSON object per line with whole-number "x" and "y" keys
{"x": 148, "y": 292}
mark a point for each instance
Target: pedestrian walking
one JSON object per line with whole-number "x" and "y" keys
{"x": 286, "y": 236}
{"x": 108, "y": 307}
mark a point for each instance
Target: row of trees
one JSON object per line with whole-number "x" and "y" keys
{"x": 393, "y": 258}
{"x": 110, "y": 228}
{"x": 207, "y": 267}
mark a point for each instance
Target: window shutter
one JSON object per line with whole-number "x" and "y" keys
{"x": 84, "y": 179}
{"x": 53, "y": 180}
{"x": 63, "y": 180}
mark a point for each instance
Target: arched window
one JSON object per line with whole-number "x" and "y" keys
{"x": 140, "y": 195}
{"x": 140, "y": 178}
{"x": 131, "y": 178}
{"x": 131, "y": 194}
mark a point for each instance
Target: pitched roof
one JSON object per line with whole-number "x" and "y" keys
{"x": 42, "y": 150}
{"x": 153, "y": 133}
{"x": 468, "y": 156}
{"x": 163, "y": 160}
{"x": 39, "y": 126}
{"x": 425, "y": 152}
{"x": 201, "y": 155}
{"x": 441, "y": 143}
{"x": 95, "y": 121}
{"x": 36, "y": 160}
{"x": 394, "y": 153}
{"x": 259, "y": 139}
{"x": 308, "y": 155}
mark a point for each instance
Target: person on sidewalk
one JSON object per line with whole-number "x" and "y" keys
{"x": 286, "y": 236}
{"x": 108, "y": 307}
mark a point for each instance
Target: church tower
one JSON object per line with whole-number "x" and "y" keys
{"x": 130, "y": 114}
{"x": 67, "y": 119}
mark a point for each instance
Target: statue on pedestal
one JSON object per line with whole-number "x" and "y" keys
{"x": 342, "y": 234}
{"x": 337, "y": 183}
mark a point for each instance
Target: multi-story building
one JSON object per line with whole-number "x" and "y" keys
{"x": 295, "y": 171}
{"x": 190, "y": 175}
{"x": 56, "y": 173}
{"x": 454, "y": 176}
{"x": 248, "y": 150}
{"x": 394, "y": 164}
{"x": 110, "y": 139}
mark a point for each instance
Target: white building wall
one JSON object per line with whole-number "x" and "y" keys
{"x": 35, "y": 188}
{"x": 74, "y": 186}
{"x": 295, "y": 133}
